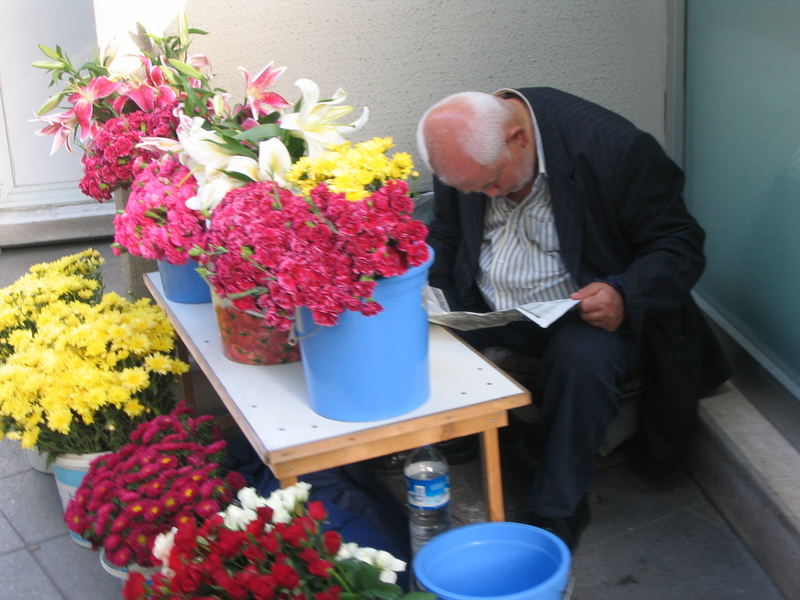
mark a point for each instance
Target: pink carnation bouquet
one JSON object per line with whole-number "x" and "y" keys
{"x": 171, "y": 472}
{"x": 110, "y": 158}
{"x": 156, "y": 223}
{"x": 272, "y": 250}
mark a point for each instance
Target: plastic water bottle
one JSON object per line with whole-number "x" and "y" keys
{"x": 428, "y": 493}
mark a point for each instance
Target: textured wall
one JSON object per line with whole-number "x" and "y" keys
{"x": 397, "y": 58}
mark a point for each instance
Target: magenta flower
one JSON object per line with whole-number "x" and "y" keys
{"x": 259, "y": 99}
{"x": 156, "y": 222}
{"x": 206, "y": 508}
{"x": 322, "y": 252}
{"x": 121, "y": 523}
{"x": 61, "y": 126}
{"x": 122, "y": 556}
{"x": 111, "y": 542}
{"x": 84, "y": 97}
{"x": 150, "y": 487}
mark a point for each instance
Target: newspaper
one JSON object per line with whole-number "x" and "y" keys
{"x": 541, "y": 313}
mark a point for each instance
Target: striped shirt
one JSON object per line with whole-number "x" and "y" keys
{"x": 520, "y": 260}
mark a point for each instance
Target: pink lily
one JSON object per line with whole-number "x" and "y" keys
{"x": 84, "y": 98}
{"x": 258, "y": 98}
{"x": 61, "y": 126}
{"x": 155, "y": 76}
{"x": 147, "y": 98}
{"x": 201, "y": 63}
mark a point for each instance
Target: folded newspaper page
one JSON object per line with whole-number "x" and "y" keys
{"x": 541, "y": 313}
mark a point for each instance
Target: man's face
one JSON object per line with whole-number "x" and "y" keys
{"x": 508, "y": 174}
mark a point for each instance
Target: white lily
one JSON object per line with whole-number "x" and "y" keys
{"x": 211, "y": 189}
{"x": 273, "y": 162}
{"x": 389, "y": 565}
{"x": 162, "y": 547}
{"x": 237, "y": 518}
{"x": 316, "y": 121}
{"x": 161, "y": 144}
{"x": 201, "y": 145}
{"x": 250, "y": 499}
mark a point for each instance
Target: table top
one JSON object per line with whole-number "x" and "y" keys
{"x": 271, "y": 400}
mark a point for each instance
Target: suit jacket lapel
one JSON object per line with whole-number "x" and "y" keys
{"x": 473, "y": 209}
{"x": 566, "y": 196}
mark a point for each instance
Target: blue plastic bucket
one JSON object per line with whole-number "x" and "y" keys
{"x": 182, "y": 283}
{"x": 370, "y": 368}
{"x": 498, "y": 561}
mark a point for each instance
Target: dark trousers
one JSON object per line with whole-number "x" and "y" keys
{"x": 575, "y": 383}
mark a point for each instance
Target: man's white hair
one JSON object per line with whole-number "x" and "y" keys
{"x": 483, "y": 139}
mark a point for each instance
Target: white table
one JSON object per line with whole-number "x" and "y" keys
{"x": 269, "y": 404}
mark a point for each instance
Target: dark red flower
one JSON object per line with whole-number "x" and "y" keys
{"x": 189, "y": 578}
{"x": 135, "y": 587}
{"x": 285, "y": 576}
{"x": 332, "y": 593}
{"x": 316, "y": 510}
{"x": 332, "y": 541}
{"x": 263, "y": 587}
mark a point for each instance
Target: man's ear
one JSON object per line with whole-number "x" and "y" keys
{"x": 516, "y": 134}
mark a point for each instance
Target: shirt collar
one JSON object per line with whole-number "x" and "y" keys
{"x": 505, "y": 93}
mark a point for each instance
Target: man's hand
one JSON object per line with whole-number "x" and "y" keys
{"x": 601, "y": 305}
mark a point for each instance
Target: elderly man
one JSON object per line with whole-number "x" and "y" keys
{"x": 541, "y": 195}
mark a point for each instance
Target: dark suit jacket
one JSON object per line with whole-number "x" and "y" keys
{"x": 620, "y": 216}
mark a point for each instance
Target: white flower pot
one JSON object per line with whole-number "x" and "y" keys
{"x": 122, "y": 572}
{"x": 38, "y": 461}
{"x": 69, "y": 471}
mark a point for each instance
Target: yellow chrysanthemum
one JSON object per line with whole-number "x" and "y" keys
{"x": 135, "y": 378}
{"x": 158, "y": 363}
{"x": 58, "y": 368}
{"x": 355, "y": 170}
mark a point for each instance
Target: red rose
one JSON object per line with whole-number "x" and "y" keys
{"x": 135, "y": 587}
{"x": 263, "y": 587}
{"x": 285, "y": 576}
{"x": 189, "y": 578}
{"x": 264, "y": 513}
{"x": 233, "y": 586}
{"x": 319, "y": 567}
{"x": 230, "y": 542}
{"x": 316, "y": 510}
{"x": 332, "y": 593}
{"x": 331, "y": 541}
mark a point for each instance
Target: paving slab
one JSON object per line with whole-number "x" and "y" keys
{"x": 681, "y": 557}
{"x": 629, "y": 496}
{"x": 76, "y": 571}
{"x": 9, "y": 540}
{"x": 30, "y": 502}
{"x": 12, "y": 458}
{"x": 22, "y": 579}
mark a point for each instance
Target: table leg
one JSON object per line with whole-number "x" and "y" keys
{"x": 492, "y": 476}
{"x": 187, "y": 388}
{"x": 288, "y": 481}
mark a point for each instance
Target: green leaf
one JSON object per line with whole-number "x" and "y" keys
{"x": 238, "y": 176}
{"x": 235, "y": 148}
{"x": 419, "y": 596}
{"x": 259, "y": 133}
{"x": 186, "y": 69}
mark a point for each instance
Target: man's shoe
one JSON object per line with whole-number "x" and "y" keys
{"x": 569, "y": 528}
